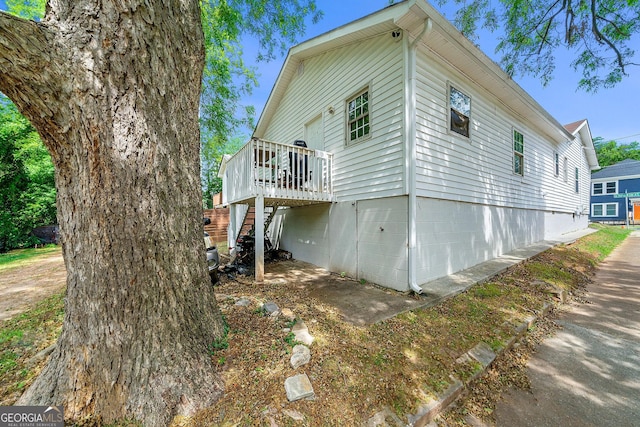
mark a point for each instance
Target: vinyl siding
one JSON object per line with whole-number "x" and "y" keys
{"x": 453, "y": 236}
{"x": 373, "y": 167}
{"x": 479, "y": 169}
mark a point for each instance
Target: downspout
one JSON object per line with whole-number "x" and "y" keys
{"x": 412, "y": 146}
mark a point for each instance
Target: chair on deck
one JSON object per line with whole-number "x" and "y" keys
{"x": 298, "y": 173}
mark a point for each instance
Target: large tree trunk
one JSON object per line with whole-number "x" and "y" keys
{"x": 113, "y": 89}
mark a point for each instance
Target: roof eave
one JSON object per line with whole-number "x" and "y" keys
{"x": 410, "y": 16}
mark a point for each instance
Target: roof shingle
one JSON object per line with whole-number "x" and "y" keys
{"x": 628, "y": 167}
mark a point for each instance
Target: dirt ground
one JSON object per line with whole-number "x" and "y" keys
{"x": 356, "y": 368}
{"x": 22, "y": 287}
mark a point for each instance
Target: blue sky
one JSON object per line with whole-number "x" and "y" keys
{"x": 612, "y": 113}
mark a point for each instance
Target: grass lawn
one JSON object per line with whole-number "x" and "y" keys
{"x": 22, "y": 257}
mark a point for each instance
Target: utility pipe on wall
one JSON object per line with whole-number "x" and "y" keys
{"x": 412, "y": 146}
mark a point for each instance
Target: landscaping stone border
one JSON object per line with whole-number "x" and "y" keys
{"x": 483, "y": 354}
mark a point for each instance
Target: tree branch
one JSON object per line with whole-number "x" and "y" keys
{"x": 602, "y": 38}
{"x": 30, "y": 72}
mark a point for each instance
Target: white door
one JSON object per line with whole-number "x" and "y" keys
{"x": 313, "y": 134}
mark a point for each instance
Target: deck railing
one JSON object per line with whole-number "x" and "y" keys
{"x": 278, "y": 171}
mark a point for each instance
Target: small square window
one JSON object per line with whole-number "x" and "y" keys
{"x": 460, "y": 111}
{"x": 611, "y": 187}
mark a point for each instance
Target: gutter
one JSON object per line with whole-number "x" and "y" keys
{"x": 412, "y": 146}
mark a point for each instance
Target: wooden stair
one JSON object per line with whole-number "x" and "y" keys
{"x": 250, "y": 219}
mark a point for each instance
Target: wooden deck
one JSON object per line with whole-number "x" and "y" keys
{"x": 283, "y": 174}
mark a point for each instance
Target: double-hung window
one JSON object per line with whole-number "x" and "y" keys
{"x": 597, "y": 189}
{"x": 556, "y": 163}
{"x": 600, "y": 188}
{"x": 518, "y": 153}
{"x": 577, "y": 180}
{"x": 604, "y": 209}
{"x": 358, "y": 127}
{"x": 459, "y": 111}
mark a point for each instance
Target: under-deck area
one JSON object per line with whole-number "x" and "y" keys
{"x": 265, "y": 174}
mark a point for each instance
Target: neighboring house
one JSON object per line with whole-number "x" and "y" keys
{"x": 424, "y": 158}
{"x": 608, "y": 186}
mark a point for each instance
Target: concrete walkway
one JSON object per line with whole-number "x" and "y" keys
{"x": 366, "y": 304}
{"x": 446, "y": 287}
{"x": 588, "y": 374}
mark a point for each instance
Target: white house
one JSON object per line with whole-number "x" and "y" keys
{"x": 424, "y": 158}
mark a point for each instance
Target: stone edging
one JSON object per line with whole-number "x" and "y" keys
{"x": 481, "y": 353}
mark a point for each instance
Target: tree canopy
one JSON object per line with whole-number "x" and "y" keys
{"x": 27, "y": 187}
{"x": 611, "y": 152}
{"x": 227, "y": 80}
{"x": 600, "y": 34}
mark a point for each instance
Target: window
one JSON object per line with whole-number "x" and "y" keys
{"x": 556, "y": 163}
{"x": 565, "y": 169}
{"x": 577, "y": 180}
{"x": 604, "y": 209}
{"x": 518, "y": 153}
{"x": 597, "y": 188}
{"x": 358, "y": 117}
{"x": 600, "y": 188}
{"x": 460, "y": 111}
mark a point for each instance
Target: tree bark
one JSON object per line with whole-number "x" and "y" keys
{"x": 113, "y": 88}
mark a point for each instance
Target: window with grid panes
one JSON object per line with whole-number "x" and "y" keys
{"x": 358, "y": 117}
{"x": 518, "y": 153}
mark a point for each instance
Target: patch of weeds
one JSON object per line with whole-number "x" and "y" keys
{"x": 400, "y": 402}
{"x": 438, "y": 385}
{"x": 221, "y": 342}
{"x": 343, "y": 274}
{"x": 488, "y": 290}
{"x": 7, "y": 361}
{"x": 410, "y": 316}
{"x": 290, "y": 339}
{"x": 290, "y": 323}
{"x": 477, "y": 310}
{"x": 218, "y": 344}
{"x": 496, "y": 344}
{"x": 554, "y": 273}
{"x": 363, "y": 282}
{"x": 379, "y": 359}
{"x": 467, "y": 370}
{"x": 21, "y": 338}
